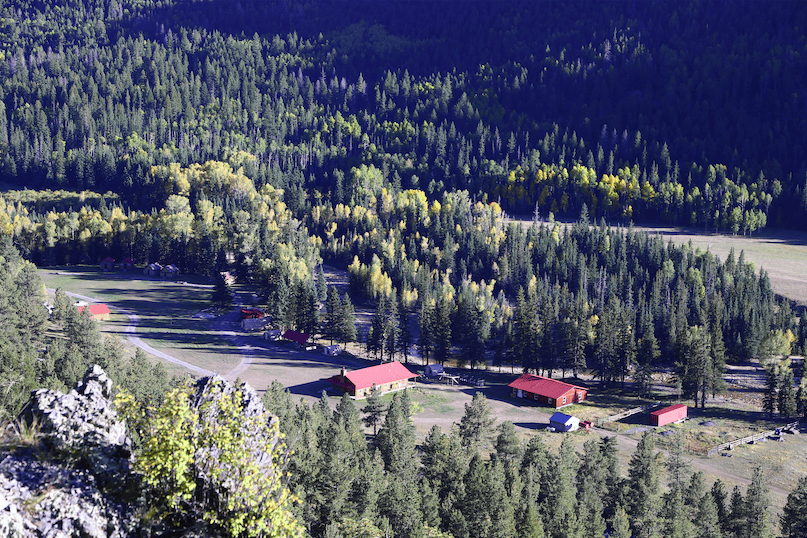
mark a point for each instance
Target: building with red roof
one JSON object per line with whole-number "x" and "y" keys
{"x": 127, "y": 264}
{"x": 387, "y": 377}
{"x": 294, "y": 336}
{"x": 98, "y": 312}
{"x": 107, "y": 264}
{"x": 547, "y": 390}
{"x": 668, "y": 415}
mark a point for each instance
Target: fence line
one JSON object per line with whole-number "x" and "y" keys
{"x": 750, "y": 439}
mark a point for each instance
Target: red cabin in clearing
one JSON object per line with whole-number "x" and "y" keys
{"x": 668, "y": 415}
{"x": 547, "y": 390}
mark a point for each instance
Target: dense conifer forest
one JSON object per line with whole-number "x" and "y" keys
{"x": 392, "y": 140}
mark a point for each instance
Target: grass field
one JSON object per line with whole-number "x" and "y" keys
{"x": 165, "y": 308}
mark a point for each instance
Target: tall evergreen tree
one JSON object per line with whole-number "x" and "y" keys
{"x": 476, "y": 425}
{"x": 793, "y": 520}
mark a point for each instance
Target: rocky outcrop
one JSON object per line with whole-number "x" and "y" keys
{"x": 72, "y": 478}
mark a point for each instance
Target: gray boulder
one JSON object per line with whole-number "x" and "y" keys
{"x": 72, "y": 480}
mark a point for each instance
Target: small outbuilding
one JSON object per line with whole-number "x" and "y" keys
{"x": 433, "y": 370}
{"x": 547, "y": 390}
{"x": 333, "y": 350}
{"x": 273, "y": 335}
{"x": 98, "y": 312}
{"x": 153, "y": 269}
{"x": 387, "y": 377}
{"x": 107, "y": 264}
{"x": 252, "y": 313}
{"x": 254, "y": 324}
{"x": 127, "y": 264}
{"x": 564, "y": 423}
{"x": 170, "y": 271}
{"x": 668, "y": 415}
{"x": 299, "y": 338}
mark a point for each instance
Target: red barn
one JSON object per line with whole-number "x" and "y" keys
{"x": 387, "y": 377}
{"x": 547, "y": 390}
{"x": 668, "y": 415}
{"x": 107, "y": 264}
{"x": 127, "y": 264}
{"x": 98, "y": 312}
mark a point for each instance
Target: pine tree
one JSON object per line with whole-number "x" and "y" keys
{"x": 442, "y": 330}
{"x": 426, "y": 329}
{"x": 307, "y": 309}
{"x": 793, "y": 520}
{"x": 620, "y": 524}
{"x": 508, "y": 446}
{"x": 756, "y": 507}
{"x": 677, "y": 466}
{"x": 374, "y": 409}
{"x": 322, "y": 284}
{"x": 706, "y": 518}
{"x": 476, "y": 502}
{"x": 676, "y": 519}
{"x": 347, "y": 321}
{"x": 770, "y": 396}
{"x": 645, "y": 486}
{"x": 591, "y": 511}
{"x": 530, "y": 524}
{"x": 476, "y": 424}
{"x": 331, "y": 320}
{"x": 563, "y": 519}
{"x": 786, "y": 403}
{"x": 734, "y": 526}
{"x": 405, "y": 334}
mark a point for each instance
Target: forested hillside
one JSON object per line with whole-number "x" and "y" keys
{"x": 680, "y": 112}
{"x": 392, "y": 139}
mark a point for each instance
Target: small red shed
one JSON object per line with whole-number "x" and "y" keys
{"x": 294, "y": 336}
{"x": 668, "y": 415}
{"x": 547, "y": 390}
{"x": 251, "y": 313}
{"x": 98, "y": 312}
{"x": 107, "y": 264}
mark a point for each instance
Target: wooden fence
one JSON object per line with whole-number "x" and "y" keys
{"x": 619, "y": 416}
{"x": 749, "y": 439}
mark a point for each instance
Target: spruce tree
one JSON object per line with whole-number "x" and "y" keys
{"x": 476, "y": 424}
{"x": 620, "y": 524}
{"x": 756, "y": 507}
{"x": 644, "y": 485}
{"x": 322, "y": 284}
{"x": 347, "y": 321}
{"x": 793, "y": 520}
{"x": 374, "y": 409}
{"x": 331, "y": 320}
{"x": 786, "y": 403}
{"x": 771, "y": 394}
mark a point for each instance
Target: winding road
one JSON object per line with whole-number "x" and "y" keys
{"x": 221, "y": 323}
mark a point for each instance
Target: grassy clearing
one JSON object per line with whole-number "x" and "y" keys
{"x": 165, "y": 308}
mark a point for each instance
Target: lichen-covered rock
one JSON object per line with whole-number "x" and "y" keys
{"x": 83, "y": 423}
{"x": 41, "y": 498}
{"x": 72, "y": 482}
